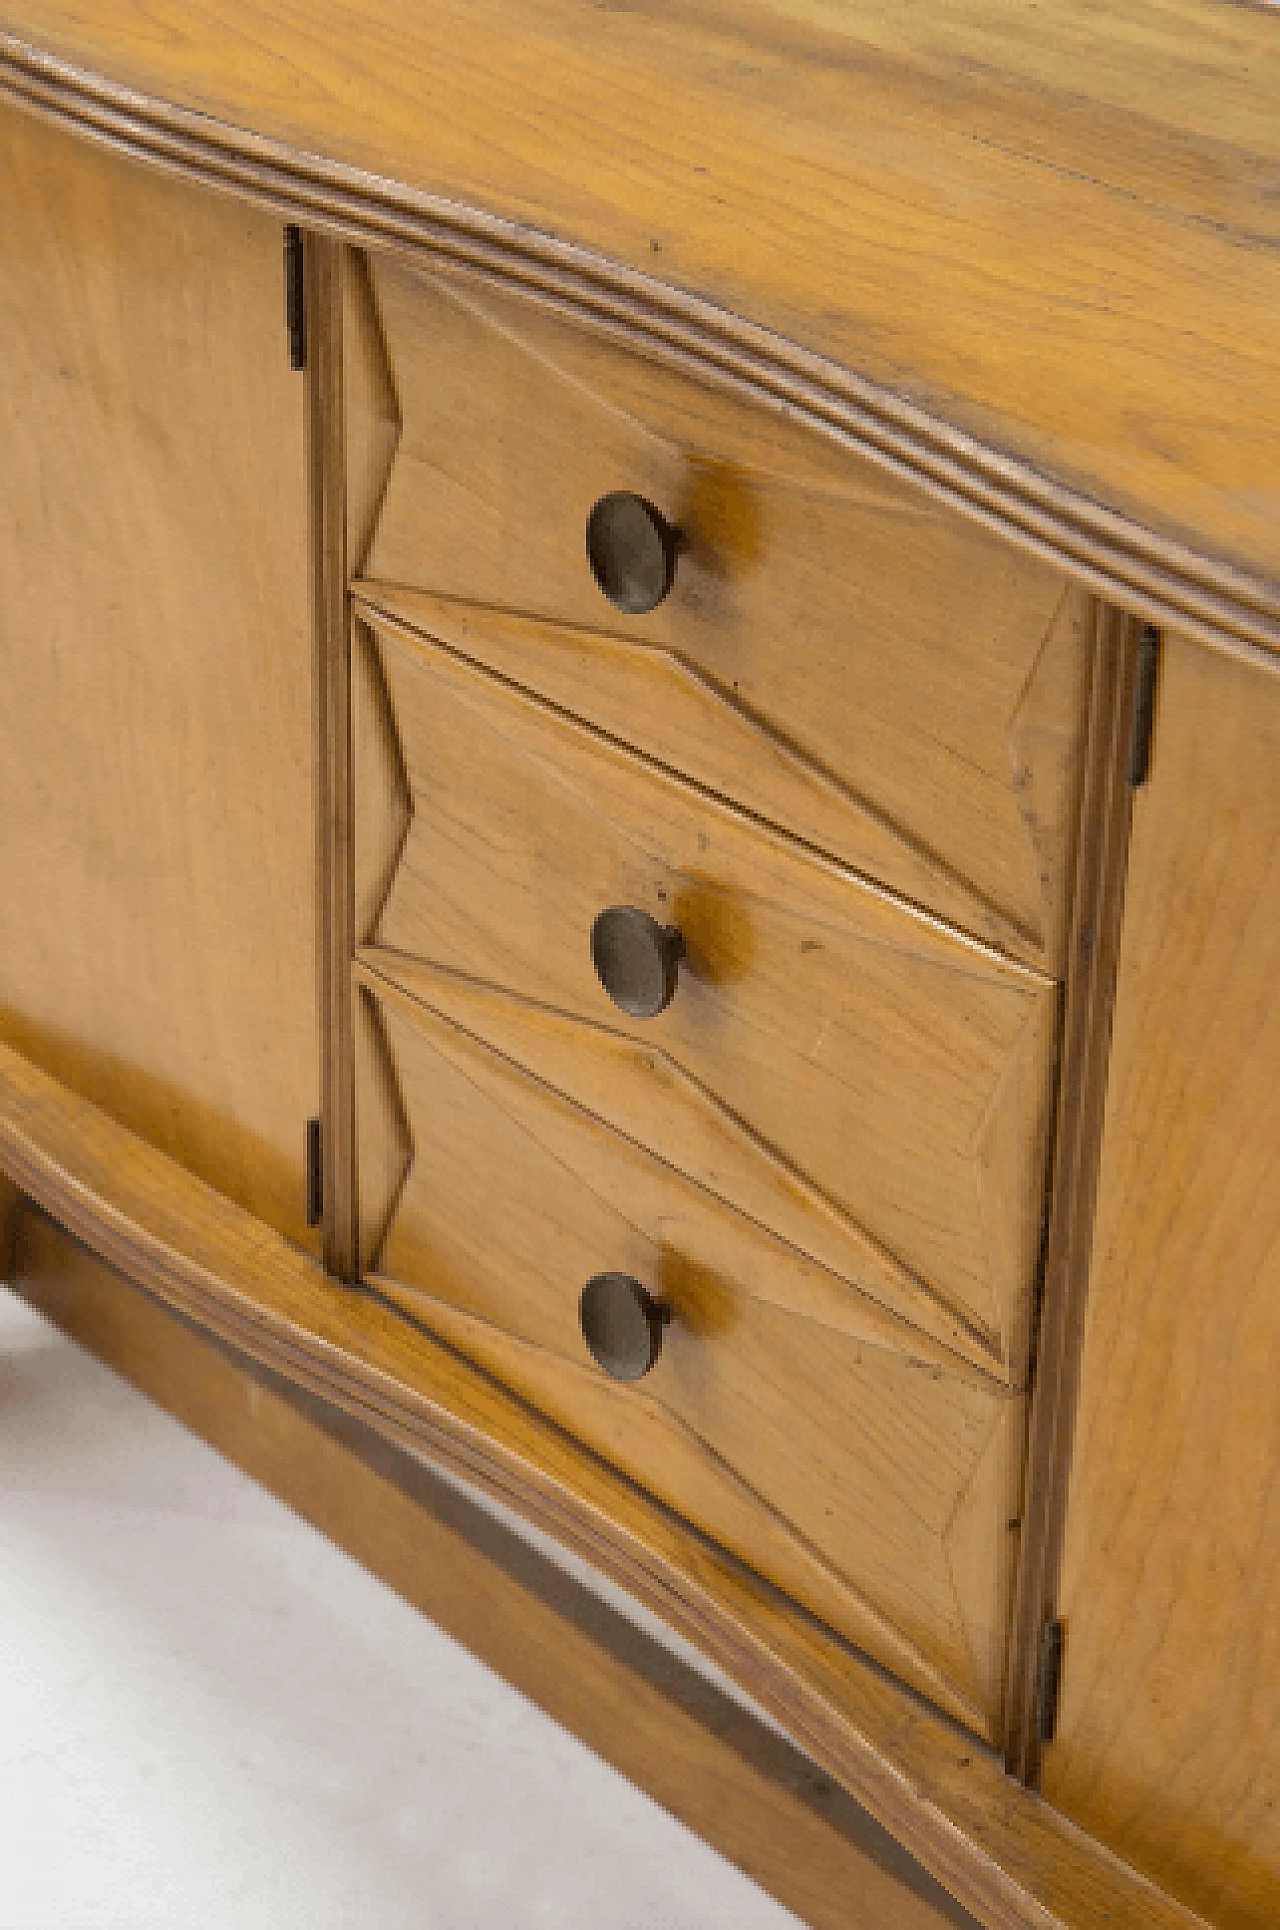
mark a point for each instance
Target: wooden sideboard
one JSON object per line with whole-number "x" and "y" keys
{"x": 640, "y": 832}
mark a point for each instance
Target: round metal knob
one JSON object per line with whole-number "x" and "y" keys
{"x": 621, "y": 1324}
{"x": 632, "y": 550}
{"x": 637, "y": 960}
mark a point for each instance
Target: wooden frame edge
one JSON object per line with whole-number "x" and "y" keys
{"x": 11, "y": 1206}
{"x": 1106, "y": 810}
{"x": 335, "y": 809}
{"x": 1011, "y": 1860}
{"x": 1155, "y": 576}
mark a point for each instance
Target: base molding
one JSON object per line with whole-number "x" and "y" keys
{"x": 706, "y": 1760}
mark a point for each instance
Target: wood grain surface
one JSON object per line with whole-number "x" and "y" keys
{"x": 1006, "y": 1855}
{"x": 639, "y": 1707}
{"x": 866, "y": 1080}
{"x": 1096, "y": 924}
{"x": 157, "y": 838}
{"x": 1168, "y": 1742}
{"x": 324, "y": 282}
{"x": 1059, "y": 235}
{"x": 830, "y": 1446}
{"x": 838, "y": 652}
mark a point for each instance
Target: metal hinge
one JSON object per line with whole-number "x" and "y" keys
{"x": 1144, "y": 704}
{"x": 315, "y": 1173}
{"x": 295, "y": 309}
{"x": 1048, "y": 1680}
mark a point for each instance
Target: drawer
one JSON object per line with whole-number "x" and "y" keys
{"x": 862, "y": 1080}
{"x": 853, "y": 1462}
{"x": 838, "y": 653}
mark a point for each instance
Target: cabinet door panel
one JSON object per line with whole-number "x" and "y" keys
{"x": 1168, "y": 1739}
{"x": 156, "y": 829}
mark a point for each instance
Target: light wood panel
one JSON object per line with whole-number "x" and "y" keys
{"x": 869, "y": 1083}
{"x": 830, "y": 1446}
{"x": 1007, "y": 1856}
{"x": 371, "y": 411}
{"x": 1060, "y": 234}
{"x": 838, "y": 652}
{"x": 1168, "y": 1741}
{"x": 681, "y": 1739}
{"x": 157, "y": 837}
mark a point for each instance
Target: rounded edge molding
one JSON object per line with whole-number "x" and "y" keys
{"x": 1146, "y": 574}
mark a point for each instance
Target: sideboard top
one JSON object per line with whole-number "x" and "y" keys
{"x": 1053, "y": 229}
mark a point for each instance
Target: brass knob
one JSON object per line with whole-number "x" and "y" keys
{"x": 622, "y": 1324}
{"x": 637, "y": 960}
{"x": 632, "y": 550}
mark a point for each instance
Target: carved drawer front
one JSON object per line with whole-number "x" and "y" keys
{"x": 863, "y": 1081}
{"x": 869, "y": 1472}
{"x": 836, "y": 651}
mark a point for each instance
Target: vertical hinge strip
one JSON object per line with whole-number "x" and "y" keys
{"x": 295, "y": 304}
{"x": 1049, "y": 1680}
{"x": 1144, "y": 704}
{"x": 315, "y": 1173}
